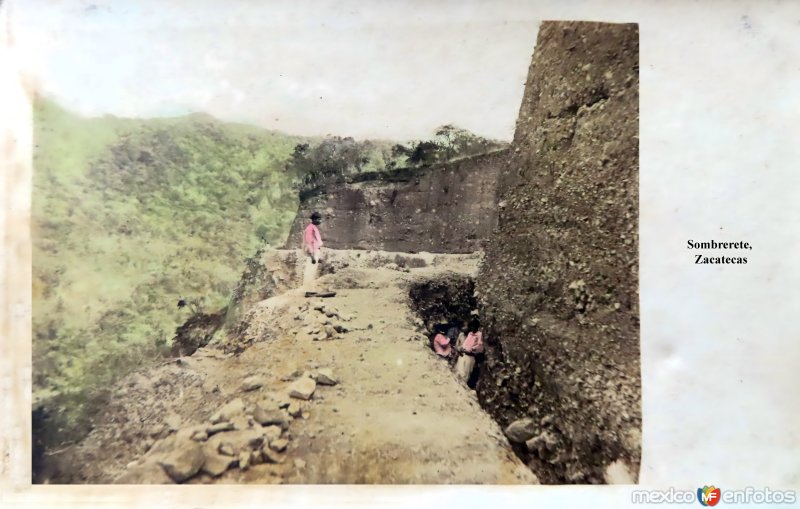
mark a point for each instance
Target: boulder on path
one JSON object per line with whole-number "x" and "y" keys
{"x": 269, "y": 417}
{"x": 184, "y": 461}
{"x": 521, "y": 430}
{"x": 272, "y": 433}
{"x": 279, "y": 444}
{"x": 295, "y": 410}
{"x": 146, "y": 473}
{"x": 216, "y": 464}
{"x": 270, "y": 456}
{"x": 230, "y": 410}
{"x": 275, "y": 400}
{"x": 302, "y": 388}
{"x": 244, "y": 460}
{"x": 252, "y": 383}
{"x": 219, "y": 427}
{"x": 238, "y": 440}
{"x": 325, "y": 377}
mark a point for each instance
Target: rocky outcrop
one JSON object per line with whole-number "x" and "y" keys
{"x": 558, "y": 291}
{"x": 448, "y": 208}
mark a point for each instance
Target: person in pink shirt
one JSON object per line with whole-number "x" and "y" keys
{"x": 312, "y": 240}
{"x": 471, "y": 350}
{"x": 442, "y": 343}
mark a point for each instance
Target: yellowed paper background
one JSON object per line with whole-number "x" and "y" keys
{"x": 720, "y": 145}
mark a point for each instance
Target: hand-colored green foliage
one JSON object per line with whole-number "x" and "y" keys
{"x": 129, "y": 216}
{"x": 449, "y": 143}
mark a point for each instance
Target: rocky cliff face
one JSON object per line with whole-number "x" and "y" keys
{"x": 558, "y": 291}
{"x": 447, "y": 208}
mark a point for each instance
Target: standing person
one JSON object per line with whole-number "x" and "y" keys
{"x": 312, "y": 240}
{"x": 312, "y": 243}
{"x": 470, "y": 350}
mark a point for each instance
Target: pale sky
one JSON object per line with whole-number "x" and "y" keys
{"x": 392, "y": 70}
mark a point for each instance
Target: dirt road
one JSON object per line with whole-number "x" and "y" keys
{"x": 396, "y": 414}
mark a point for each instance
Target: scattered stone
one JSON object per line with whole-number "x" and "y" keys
{"x": 238, "y": 440}
{"x": 226, "y": 449}
{"x": 295, "y": 410}
{"x": 146, "y": 473}
{"x": 240, "y": 422}
{"x": 256, "y": 458}
{"x": 230, "y": 410}
{"x": 299, "y": 464}
{"x": 276, "y": 400}
{"x": 302, "y": 388}
{"x": 219, "y": 427}
{"x": 216, "y": 464}
{"x": 330, "y": 332}
{"x": 270, "y": 456}
{"x": 279, "y": 444}
{"x": 272, "y": 433}
{"x": 266, "y": 418}
{"x": 244, "y": 460}
{"x": 199, "y": 436}
{"x": 544, "y": 444}
{"x": 184, "y": 461}
{"x": 325, "y": 377}
{"x": 521, "y": 430}
{"x": 252, "y": 383}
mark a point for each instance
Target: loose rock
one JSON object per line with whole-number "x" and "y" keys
{"x": 521, "y": 430}
{"x": 200, "y": 436}
{"x": 272, "y": 433}
{"x": 146, "y": 473}
{"x": 295, "y": 410}
{"x": 216, "y": 464}
{"x": 219, "y": 427}
{"x": 325, "y": 377}
{"x": 183, "y": 462}
{"x": 266, "y": 418}
{"x": 244, "y": 460}
{"x": 252, "y": 383}
{"x": 302, "y": 388}
{"x": 279, "y": 444}
{"x": 227, "y": 412}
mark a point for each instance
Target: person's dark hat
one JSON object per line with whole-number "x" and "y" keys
{"x": 316, "y": 216}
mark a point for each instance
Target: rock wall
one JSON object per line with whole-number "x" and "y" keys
{"x": 447, "y": 208}
{"x": 558, "y": 292}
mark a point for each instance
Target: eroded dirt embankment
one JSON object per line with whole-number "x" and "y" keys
{"x": 383, "y": 407}
{"x": 559, "y": 287}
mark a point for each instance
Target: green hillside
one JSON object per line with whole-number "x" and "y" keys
{"x": 128, "y": 217}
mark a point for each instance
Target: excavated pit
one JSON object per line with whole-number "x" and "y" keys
{"x": 451, "y": 299}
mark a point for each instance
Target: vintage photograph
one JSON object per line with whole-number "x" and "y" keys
{"x": 332, "y": 243}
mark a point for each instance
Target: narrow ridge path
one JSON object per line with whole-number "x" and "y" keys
{"x": 398, "y": 414}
